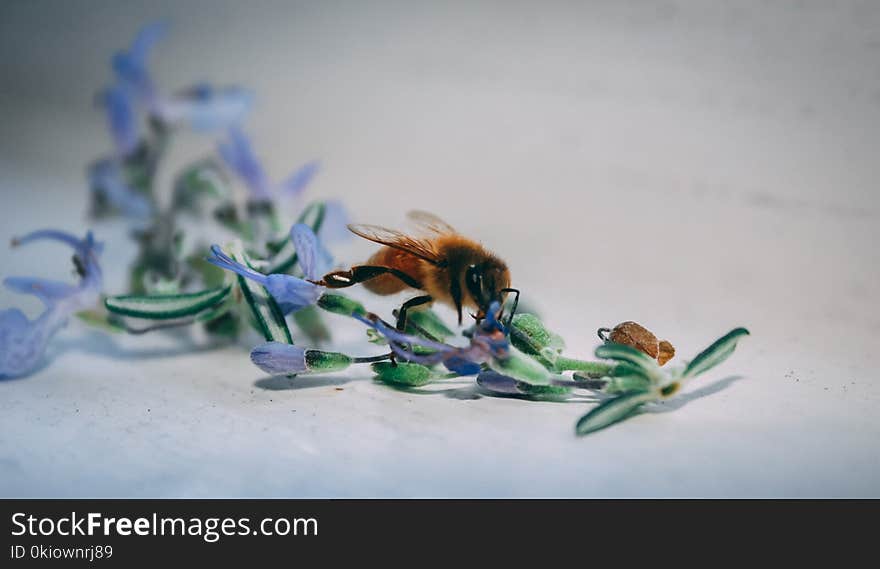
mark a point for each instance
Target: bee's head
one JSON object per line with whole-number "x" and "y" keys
{"x": 486, "y": 282}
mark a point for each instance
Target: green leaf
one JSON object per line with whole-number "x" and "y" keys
{"x": 549, "y": 391}
{"x": 627, "y": 383}
{"x": 520, "y": 366}
{"x": 628, "y": 355}
{"x": 268, "y": 317}
{"x": 286, "y": 258}
{"x": 166, "y": 306}
{"x": 428, "y": 321}
{"x": 529, "y": 335}
{"x": 404, "y": 373}
{"x": 199, "y": 180}
{"x": 340, "y": 304}
{"x": 612, "y": 411}
{"x": 596, "y": 369}
{"x": 719, "y": 351}
{"x": 224, "y": 325}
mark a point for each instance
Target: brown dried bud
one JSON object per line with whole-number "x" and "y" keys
{"x": 666, "y": 352}
{"x": 637, "y": 336}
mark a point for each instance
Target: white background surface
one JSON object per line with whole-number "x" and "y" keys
{"x": 693, "y": 166}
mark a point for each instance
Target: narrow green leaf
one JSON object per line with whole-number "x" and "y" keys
{"x": 612, "y": 411}
{"x": 267, "y": 316}
{"x": 166, "y": 306}
{"x": 629, "y": 355}
{"x": 596, "y": 369}
{"x": 719, "y": 351}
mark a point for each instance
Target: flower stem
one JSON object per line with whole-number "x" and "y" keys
{"x": 371, "y": 359}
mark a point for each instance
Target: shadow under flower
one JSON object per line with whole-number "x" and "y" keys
{"x": 303, "y": 381}
{"x": 458, "y": 390}
{"x": 683, "y": 399}
{"x": 472, "y": 391}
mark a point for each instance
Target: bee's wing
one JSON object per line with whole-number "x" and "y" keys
{"x": 421, "y": 248}
{"x": 430, "y": 222}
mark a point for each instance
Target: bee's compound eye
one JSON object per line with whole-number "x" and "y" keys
{"x": 472, "y": 274}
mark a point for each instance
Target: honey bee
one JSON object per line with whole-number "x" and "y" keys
{"x": 447, "y": 266}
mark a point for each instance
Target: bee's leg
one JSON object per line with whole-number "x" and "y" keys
{"x": 361, "y": 273}
{"x": 411, "y": 303}
{"x": 401, "y": 314}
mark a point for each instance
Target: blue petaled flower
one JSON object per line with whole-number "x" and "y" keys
{"x": 489, "y": 341}
{"x": 291, "y": 293}
{"x": 277, "y": 358}
{"x": 22, "y": 341}
{"x": 239, "y": 155}
{"x": 202, "y": 107}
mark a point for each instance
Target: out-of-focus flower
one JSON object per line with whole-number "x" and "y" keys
{"x": 22, "y": 341}
{"x": 201, "y": 107}
{"x": 238, "y": 153}
{"x": 121, "y": 119}
{"x": 107, "y": 180}
{"x": 130, "y": 67}
{"x": 291, "y": 293}
{"x": 205, "y": 108}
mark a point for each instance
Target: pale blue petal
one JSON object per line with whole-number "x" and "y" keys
{"x": 297, "y": 182}
{"x": 224, "y": 261}
{"x": 131, "y": 66}
{"x": 49, "y": 291}
{"x": 22, "y": 342}
{"x": 292, "y": 293}
{"x": 206, "y": 109}
{"x": 121, "y": 119}
{"x": 277, "y": 358}
{"x": 314, "y": 259}
{"x": 53, "y": 235}
{"x": 147, "y": 37}
{"x": 239, "y": 156}
{"x": 87, "y": 251}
